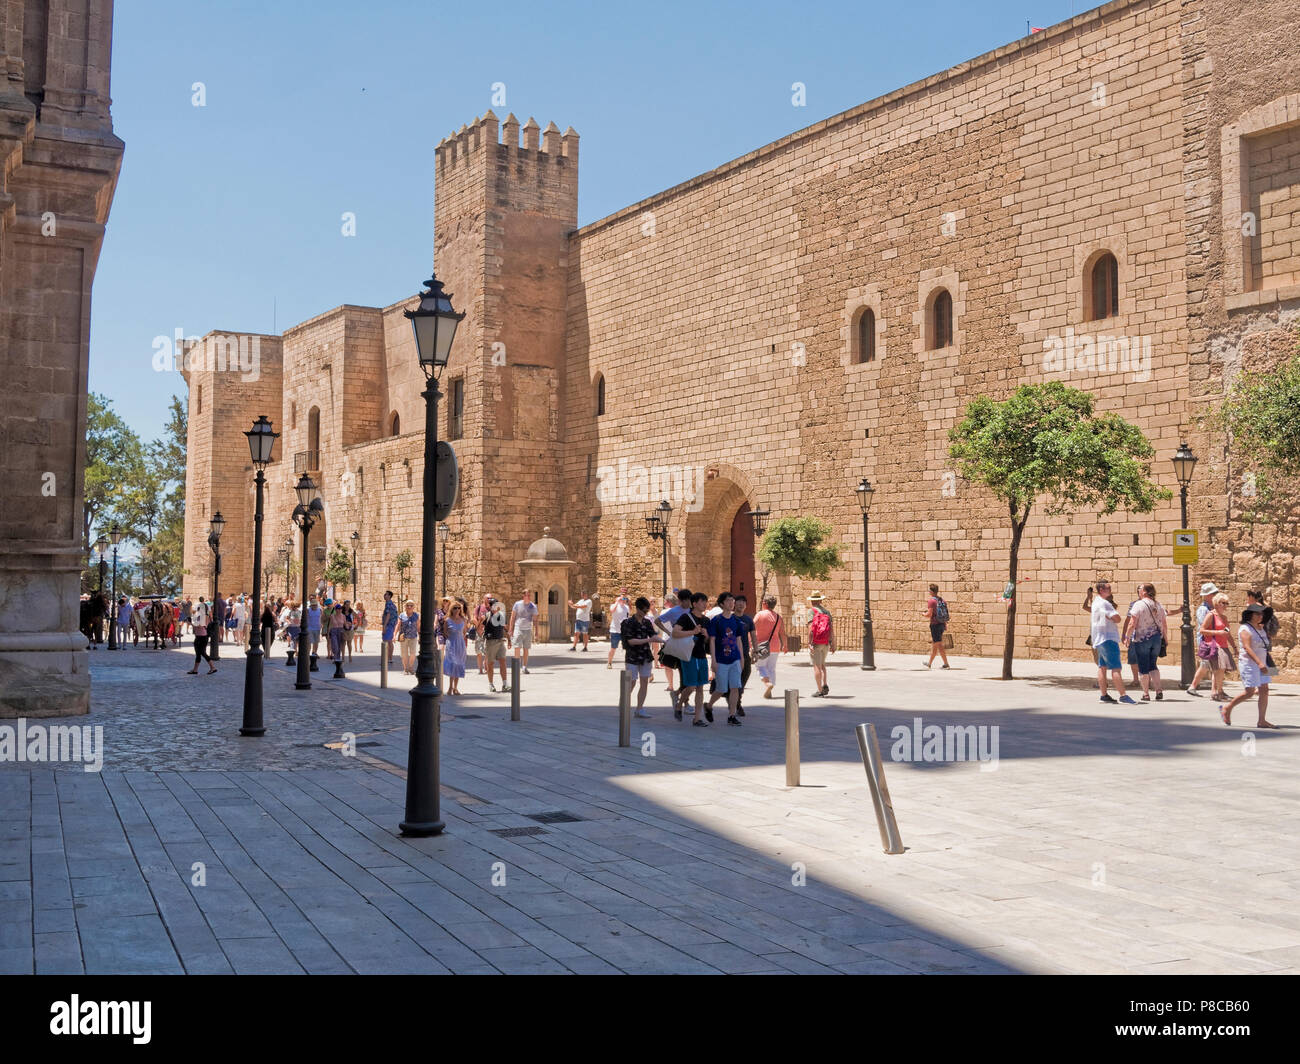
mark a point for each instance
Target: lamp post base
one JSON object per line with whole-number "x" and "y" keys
{"x": 423, "y": 829}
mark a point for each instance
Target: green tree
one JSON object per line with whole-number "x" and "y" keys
{"x": 113, "y": 452}
{"x": 338, "y": 570}
{"x": 1045, "y": 443}
{"x": 403, "y": 563}
{"x": 153, "y": 503}
{"x": 1261, "y": 416}
{"x": 796, "y": 546}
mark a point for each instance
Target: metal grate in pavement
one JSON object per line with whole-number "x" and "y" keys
{"x": 555, "y": 816}
{"x": 468, "y": 716}
{"x": 510, "y": 833}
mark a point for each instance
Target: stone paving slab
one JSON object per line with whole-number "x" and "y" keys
{"x": 1105, "y": 841}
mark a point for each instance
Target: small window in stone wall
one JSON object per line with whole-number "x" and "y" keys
{"x": 1102, "y": 288}
{"x": 394, "y": 424}
{"x": 864, "y": 342}
{"x": 293, "y": 415}
{"x": 200, "y": 400}
{"x": 457, "y": 427}
{"x": 940, "y": 320}
{"x": 600, "y": 395}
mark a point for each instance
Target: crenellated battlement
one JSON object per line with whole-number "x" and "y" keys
{"x": 489, "y": 136}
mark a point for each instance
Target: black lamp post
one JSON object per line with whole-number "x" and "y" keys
{"x": 444, "y": 530}
{"x": 261, "y": 442}
{"x": 656, "y": 527}
{"x": 214, "y": 541}
{"x": 115, "y": 535}
{"x": 1184, "y": 464}
{"x": 356, "y": 538}
{"x": 759, "y": 520}
{"x": 283, "y": 552}
{"x": 101, "y": 547}
{"x": 434, "y": 326}
{"x": 864, "y": 491}
{"x": 305, "y": 516}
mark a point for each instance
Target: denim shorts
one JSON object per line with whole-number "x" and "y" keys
{"x": 581, "y": 626}
{"x": 614, "y": 637}
{"x": 1146, "y": 653}
{"x": 1108, "y": 654}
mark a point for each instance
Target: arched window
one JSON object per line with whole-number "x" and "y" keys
{"x": 600, "y": 395}
{"x": 394, "y": 424}
{"x": 941, "y": 320}
{"x": 1103, "y": 287}
{"x": 865, "y": 340}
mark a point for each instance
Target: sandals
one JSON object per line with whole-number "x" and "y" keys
{"x": 1269, "y": 725}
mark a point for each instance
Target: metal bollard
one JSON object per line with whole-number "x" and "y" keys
{"x": 624, "y": 709}
{"x": 791, "y": 738}
{"x": 890, "y": 839}
{"x": 385, "y": 648}
{"x": 514, "y": 688}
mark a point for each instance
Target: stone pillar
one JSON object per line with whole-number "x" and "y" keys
{"x": 59, "y": 162}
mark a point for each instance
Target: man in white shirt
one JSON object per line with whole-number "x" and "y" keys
{"x": 581, "y": 622}
{"x": 1105, "y": 641}
{"x": 621, "y": 611}
{"x": 522, "y": 616}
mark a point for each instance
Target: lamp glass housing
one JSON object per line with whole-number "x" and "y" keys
{"x": 261, "y": 441}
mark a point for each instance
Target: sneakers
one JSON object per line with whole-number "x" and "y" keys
{"x": 1160, "y": 696}
{"x": 826, "y": 690}
{"x": 505, "y": 688}
{"x": 584, "y": 649}
{"x": 641, "y": 713}
{"x": 1129, "y": 700}
{"x": 572, "y": 649}
{"x": 708, "y": 715}
{"x": 492, "y": 687}
{"x": 1108, "y": 698}
{"x": 1193, "y": 692}
{"x": 699, "y": 724}
{"x": 525, "y": 670}
{"x": 818, "y": 694}
{"x": 740, "y": 711}
{"x": 733, "y": 722}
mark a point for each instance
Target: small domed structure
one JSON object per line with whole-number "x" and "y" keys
{"x": 546, "y": 566}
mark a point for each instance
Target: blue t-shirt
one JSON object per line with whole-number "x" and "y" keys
{"x": 730, "y": 635}
{"x": 313, "y": 619}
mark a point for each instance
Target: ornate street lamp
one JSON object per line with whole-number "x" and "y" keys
{"x": 115, "y": 535}
{"x": 261, "y": 442}
{"x": 656, "y": 527}
{"x": 305, "y": 515}
{"x": 215, "y": 527}
{"x": 759, "y": 519}
{"x": 287, "y": 551}
{"x": 1184, "y": 464}
{"x": 101, "y": 547}
{"x": 433, "y": 324}
{"x": 864, "y": 491}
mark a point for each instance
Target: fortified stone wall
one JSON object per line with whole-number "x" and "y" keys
{"x": 999, "y": 181}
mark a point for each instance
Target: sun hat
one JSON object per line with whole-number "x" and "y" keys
{"x": 816, "y": 596}
{"x": 1208, "y": 588}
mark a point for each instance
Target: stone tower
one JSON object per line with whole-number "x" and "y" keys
{"x": 232, "y": 378}
{"x": 59, "y": 162}
{"x": 504, "y": 212}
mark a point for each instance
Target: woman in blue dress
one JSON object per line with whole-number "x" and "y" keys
{"x": 1253, "y": 666}
{"x": 453, "y": 658}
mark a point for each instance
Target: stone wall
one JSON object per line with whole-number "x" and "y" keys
{"x": 59, "y": 162}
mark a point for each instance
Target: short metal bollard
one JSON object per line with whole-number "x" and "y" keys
{"x": 791, "y": 738}
{"x": 514, "y": 688}
{"x": 385, "y": 648}
{"x": 338, "y": 670}
{"x": 624, "y": 708}
{"x": 890, "y": 839}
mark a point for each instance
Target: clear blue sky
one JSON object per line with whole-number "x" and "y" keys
{"x": 230, "y": 213}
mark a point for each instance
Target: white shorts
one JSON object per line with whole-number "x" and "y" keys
{"x": 767, "y": 668}
{"x": 522, "y": 637}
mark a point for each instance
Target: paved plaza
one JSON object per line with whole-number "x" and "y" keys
{"x": 1135, "y": 839}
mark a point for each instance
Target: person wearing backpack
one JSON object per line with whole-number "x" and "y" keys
{"x": 821, "y": 641}
{"x": 937, "y": 615}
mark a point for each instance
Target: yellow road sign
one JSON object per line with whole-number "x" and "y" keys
{"x": 1185, "y": 546}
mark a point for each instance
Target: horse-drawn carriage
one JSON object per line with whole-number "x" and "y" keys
{"x": 157, "y": 622}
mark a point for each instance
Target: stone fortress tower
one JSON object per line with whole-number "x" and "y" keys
{"x": 818, "y": 310}
{"x": 344, "y": 389}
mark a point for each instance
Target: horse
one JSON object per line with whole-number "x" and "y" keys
{"x": 159, "y": 619}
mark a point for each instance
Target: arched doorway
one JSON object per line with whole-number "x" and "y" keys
{"x": 742, "y": 558}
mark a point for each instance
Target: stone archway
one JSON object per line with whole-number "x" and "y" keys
{"x": 707, "y": 545}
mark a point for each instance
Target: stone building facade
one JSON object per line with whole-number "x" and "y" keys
{"x": 59, "y": 161}
{"x": 1069, "y": 206}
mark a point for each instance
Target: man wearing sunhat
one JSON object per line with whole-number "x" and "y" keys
{"x": 821, "y": 641}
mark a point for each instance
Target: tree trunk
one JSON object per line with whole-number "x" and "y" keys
{"x": 1009, "y": 644}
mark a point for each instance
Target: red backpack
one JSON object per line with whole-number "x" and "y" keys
{"x": 819, "y": 629}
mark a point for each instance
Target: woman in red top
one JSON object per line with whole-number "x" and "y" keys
{"x": 1215, "y": 643}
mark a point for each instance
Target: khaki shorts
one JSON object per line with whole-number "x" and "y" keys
{"x": 819, "y": 653}
{"x": 523, "y": 637}
{"x": 496, "y": 650}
